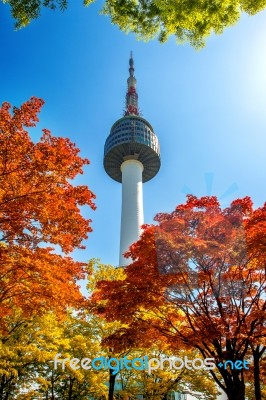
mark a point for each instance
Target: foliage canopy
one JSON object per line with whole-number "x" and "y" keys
{"x": 39, "y": 207}
{"x": 197, "y": 281}
{"x": 187, "y": 20}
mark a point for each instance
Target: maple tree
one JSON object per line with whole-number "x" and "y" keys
{"x": 191, "y": 21}
{"x": 197, "y": 280}
{"x": 155, "y": 385}
{"x": 39, "y": 207}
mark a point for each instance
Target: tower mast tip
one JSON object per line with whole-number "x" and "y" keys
{"x": 131, "y": 96}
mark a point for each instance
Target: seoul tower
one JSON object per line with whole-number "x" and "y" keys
{"x": 131, "y": 157}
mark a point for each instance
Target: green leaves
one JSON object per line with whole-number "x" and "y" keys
{"x": 190, "y": 21}
{"x": 88, "y": 2}
{"x": 23, "y": 11}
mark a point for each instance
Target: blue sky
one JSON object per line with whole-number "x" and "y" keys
{"x": 207, "y": 107}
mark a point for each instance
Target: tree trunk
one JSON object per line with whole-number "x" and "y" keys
{"x": 52, "y": 389}
{"x": 70, "y": 392}
{"x": 236, "y": 390}
{"x": 5, "y": 387}
{"x": 111, "y": 384}
{"x": 256, "y": 360}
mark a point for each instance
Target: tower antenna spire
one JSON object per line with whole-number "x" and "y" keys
{"x": 132, "y": 107}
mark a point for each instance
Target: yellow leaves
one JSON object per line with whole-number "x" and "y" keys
{"x": 31, "y": 347}
{"x": 42, "y": 381}
{"x": 88, "y": 2}
{"x": 102, "y": 272}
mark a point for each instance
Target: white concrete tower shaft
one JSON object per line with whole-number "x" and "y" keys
{"x": 132, "y": 207}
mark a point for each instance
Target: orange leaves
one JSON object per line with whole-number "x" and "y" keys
{"x": 37, "y": 202}
{"x": 244, "y": 205}
{"x": 197, "y": 281}
{"x": 256, "y": 229}
{"x": 194, "y": 277}
{"x": 198, "y": 203}
{"x": 27, "y": 114}
{"x": 36, "y": 281}
{"x": 38, "y": 205}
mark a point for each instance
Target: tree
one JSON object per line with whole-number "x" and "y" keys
{"x": 154, "y": 384}
{"x": 39, "y": 207}
{"x": 191, "y": 21}
{"x": 198, "y": 280}
{"x": 27, "y": 355}
{"x": 157, "y": 384}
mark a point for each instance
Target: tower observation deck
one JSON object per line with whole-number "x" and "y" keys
{"x": 131, "y": 157}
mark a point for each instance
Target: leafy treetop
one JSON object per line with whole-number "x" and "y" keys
{"x": 197, "y": 280}
{"x": 189, "y": 20}
{"x": 39, "y": 207}
{"x": 37, "y": 201}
